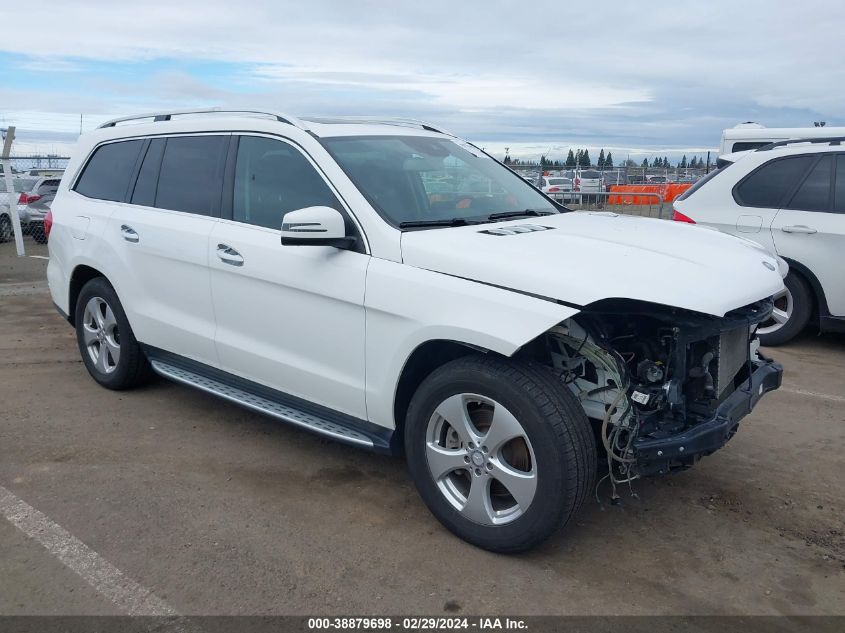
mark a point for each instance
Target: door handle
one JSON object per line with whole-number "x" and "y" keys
{"x": 229, "y": 255}
{"x": 799, "y": 228}
{"x": 129, "y": 234}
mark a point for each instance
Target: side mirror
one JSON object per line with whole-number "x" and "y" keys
{"x": 315, "y": 226}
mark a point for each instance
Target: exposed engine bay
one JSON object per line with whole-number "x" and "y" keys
{"x": 662, "y": 386}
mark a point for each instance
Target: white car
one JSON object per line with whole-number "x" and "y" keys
{"x": 299, "y": 267}
{"x": 557, "y": 188}
{"x": 790, "y": 198}
{"x": 588, "y": 181}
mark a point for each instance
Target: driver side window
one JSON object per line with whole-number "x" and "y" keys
{"x": 272, "y": 178}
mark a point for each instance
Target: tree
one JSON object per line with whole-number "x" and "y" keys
{"x": 657, "y": 162}
{"x": 666, "y": 162}
{"x": 683, "y": 163}
{"x": 600, "y": 162}
{"x": 608, "y": 161}
{"x": 570, "y": 159}
{"x": 645, "y": 163}
{"x": 585, "y": 159}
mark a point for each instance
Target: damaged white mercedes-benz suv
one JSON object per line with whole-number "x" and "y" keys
{"x": 388, "y": 285}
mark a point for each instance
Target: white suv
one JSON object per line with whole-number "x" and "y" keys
{"x": 789, "y": 197}
{"x": 388, "y": 285}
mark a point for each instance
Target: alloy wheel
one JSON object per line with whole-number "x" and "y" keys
{"x": 481, "y": 459}
{"x": 784, "y": 306}
{"x": 101, "y": 335}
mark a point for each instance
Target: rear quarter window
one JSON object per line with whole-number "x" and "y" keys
{"x": 107, "y": 174}
{"x": 768, "y": 185}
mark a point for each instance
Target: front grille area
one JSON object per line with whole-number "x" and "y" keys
{"x": 732, "y": 356}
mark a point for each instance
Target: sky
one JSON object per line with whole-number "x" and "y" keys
{"x": 638, "y": 79}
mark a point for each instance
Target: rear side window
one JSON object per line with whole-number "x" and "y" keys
{"x": 107, "y": 174}
{"x": 272, "y": 178}
{"x": 146, "y": 185}
{"x": 814, "y": 192}
{"x": 743, "y": 146}
{"x": 769, "y": 185}
{"x": 839, "y": 185}
{"x": 190, "y": 178}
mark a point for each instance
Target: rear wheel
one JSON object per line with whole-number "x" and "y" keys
{"x": 500, "y": 451}
{"x": 108, "y": 347}
{"x": 38, "y": 233}
{"x": 793, "y": 307}
{"x": 5, "y": 229}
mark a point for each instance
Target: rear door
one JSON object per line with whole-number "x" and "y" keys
{"x": 810, "y": 228}
{"x": 162, "y": 240}
{"x": 761, "y": 194}
{"x": 288, "y": 317}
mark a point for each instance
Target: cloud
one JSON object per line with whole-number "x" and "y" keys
{"x": 661, "y": 75}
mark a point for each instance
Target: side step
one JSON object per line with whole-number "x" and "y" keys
{"x": 262, "y": 404}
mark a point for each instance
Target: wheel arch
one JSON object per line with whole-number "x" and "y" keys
{"x": 423, "y": 361}
{"x": 820, "y": 308}
{"x": 80, "y": 276}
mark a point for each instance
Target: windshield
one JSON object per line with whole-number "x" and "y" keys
{"x": 418, "y": 179}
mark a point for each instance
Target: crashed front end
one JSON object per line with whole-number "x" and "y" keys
{"x": 663, "y": 386}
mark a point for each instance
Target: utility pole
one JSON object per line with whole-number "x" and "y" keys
{"x": 8, "y": 137}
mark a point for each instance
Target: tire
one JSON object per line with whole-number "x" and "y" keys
{"x": 556, "y": 451}
{"x": 795, "y": 306}
{"x": 5, "y": 229}
{"x": 102, "y": 326}
{"x": 38, "y": 234}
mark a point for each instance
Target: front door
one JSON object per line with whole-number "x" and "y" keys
{"x": 288, "y": 317}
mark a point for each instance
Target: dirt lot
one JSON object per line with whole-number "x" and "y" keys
{"x": 220, "y": 511}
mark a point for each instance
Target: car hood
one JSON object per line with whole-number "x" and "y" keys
{"x": 583, "y": 257}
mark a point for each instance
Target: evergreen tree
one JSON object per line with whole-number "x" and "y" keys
{"x": 600, "y": 162}
{"x": 657, "y": 162}
{"x": 683, "y": 163}
{"x": 570, "y": 159}
{"x": 645, "y": 163}
{"x": 585, "y": 159}
{"x": 608, "y": 160}
{"x": 666, "y": 162}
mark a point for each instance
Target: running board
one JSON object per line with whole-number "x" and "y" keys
{"x": 262, "y": 404}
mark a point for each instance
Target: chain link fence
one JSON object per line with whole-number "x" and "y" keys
{"x": 34, "y": 181}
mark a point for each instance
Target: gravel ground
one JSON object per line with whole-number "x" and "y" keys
{"x": 217, "y": 510}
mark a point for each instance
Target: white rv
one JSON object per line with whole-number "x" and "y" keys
{"x": 750, "y": 135}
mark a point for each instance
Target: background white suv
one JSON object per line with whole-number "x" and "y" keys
{"x": 789, "y": 197}
{"x": 388, "y": 285}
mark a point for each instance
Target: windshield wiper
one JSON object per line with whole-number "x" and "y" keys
{"x": 517, "y": 214}
{"x": 444, "y": 222}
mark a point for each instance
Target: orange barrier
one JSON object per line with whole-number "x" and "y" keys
{"x": 675, "y": 189}
{"x": 634, "y": 199}
{"x": 668, "y": 192}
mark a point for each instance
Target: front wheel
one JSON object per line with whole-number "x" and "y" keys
{"x": 500, "y": 451}
{"x": 792, "y": 310}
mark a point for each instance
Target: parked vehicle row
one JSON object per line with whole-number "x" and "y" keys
{"x": 33, "y": 197}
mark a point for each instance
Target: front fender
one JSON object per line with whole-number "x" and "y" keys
{"x": 407, "y": 307}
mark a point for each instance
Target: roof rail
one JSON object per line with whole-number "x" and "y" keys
{"x": 166, "y": 116}
{"x": 833, "y": 140}
{"x": 424, "y": 125}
